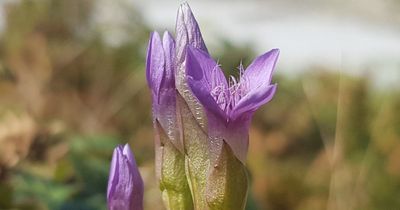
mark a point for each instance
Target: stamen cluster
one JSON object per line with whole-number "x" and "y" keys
{"x": 228, "y": 96}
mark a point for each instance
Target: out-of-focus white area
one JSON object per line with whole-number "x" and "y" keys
{"x": 361, "y": 37}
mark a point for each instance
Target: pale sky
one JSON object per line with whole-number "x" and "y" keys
{"x": 359, "y": 39}
{"x": 359, "y": 36}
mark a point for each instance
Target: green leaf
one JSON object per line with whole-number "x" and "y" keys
{"x": 227, "y": 183}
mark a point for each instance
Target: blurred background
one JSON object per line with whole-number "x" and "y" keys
{"x": 72, "y": 87}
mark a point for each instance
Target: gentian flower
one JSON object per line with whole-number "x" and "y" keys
{"x": 170, "y": 159}
{"x": 160, "y": 73}
{"x": 230, "y": 105}
{"x": 202, "y": 121}
{"x": 125, "y": 185}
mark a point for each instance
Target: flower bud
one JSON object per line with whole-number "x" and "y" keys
{"x": 125, "y": 185}
{"x": 170, "y": 158}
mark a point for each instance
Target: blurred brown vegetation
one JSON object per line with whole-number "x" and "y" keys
{"x": 68, "y": 96}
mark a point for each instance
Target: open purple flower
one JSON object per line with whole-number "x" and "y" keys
{"x": 125, "y": 185}
{"x": 231, "y": 105}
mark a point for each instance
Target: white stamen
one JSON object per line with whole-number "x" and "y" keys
{"x": 228, "y": 97}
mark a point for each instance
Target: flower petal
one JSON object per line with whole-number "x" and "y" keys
{"x": 136, "y": 200}
{"x": 127, "y": 153}
{"x": 168, "y": 81}
{"x": 187, "y": 32}
{"x": 155, "y": 63}
{"x": 260, "y": 71}
{"x": 237, "y": 136}
{"x": 201, "y": 71}
{"x": 113, "y": 175}
{"x": 253, "y": 100}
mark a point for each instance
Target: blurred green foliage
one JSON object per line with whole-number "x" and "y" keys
{"x": 69, "y": 96}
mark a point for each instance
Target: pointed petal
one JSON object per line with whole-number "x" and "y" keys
{"x": 187, "y": 32}
{"x": 253, "y": 100}
{"x": 201, "y": 71}
{"x": 155, "y": 63}
{"x": 148, "y": 60}
{"x": 169, "y": 55}
{"x": 113, "y": 175}
{"x": 137, "y": 182}
{"x": 127, "y": 153}
{"x": 260, "y": 70}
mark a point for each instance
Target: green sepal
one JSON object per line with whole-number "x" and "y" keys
{"x": 227, "y": 183}
{"x": 196, "y": 147}
{"x": 173, "y": 182}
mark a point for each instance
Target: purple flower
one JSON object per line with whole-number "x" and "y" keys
{"x": 125, "y": 185}
{"x": 160, "y": 63}
{"x": 169, "y": 155}
{"x": 160, "y": 72}
{"x": 230, "y": 105}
